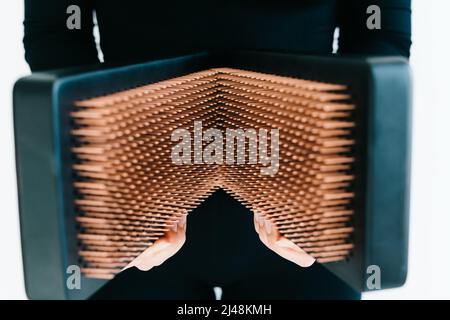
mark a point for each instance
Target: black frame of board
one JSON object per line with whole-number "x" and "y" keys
{"x": 380, "y": 87}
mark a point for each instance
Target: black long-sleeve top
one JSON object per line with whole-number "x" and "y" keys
{"x": 133, "y": 30}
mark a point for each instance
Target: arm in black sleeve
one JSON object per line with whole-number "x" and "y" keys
{"x": 49, "y": 43}
{"x": 394, "y": 37}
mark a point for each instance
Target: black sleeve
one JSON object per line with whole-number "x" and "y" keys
{"x": 394, "y": 37}
{"x": 49, "y": 43}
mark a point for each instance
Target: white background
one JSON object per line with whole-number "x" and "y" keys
{"x": 429, "y": 264}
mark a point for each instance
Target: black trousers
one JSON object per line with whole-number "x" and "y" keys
{"x": 223, "y": 249}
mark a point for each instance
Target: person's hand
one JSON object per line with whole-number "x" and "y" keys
{"x": 162, "y": 249}
{"x": 270, "y": 236}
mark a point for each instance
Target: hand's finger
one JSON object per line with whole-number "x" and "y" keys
{"x": 263, "y": 237}
{"x": 175, "y": 227}
{"x": 301, "y": 258}
{"x": 182, "y": 224}
{"x": 285, "y": 243}
{"x": 146, "y": 260}
{"x": 256, "y": 222}
{"x": 176, "y": 231}
{"x": 290, "y": 251}
{"x": 262, "y": 220}
{"x": 268, "y": 226}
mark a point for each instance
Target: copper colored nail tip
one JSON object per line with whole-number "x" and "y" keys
{"x": 129, "y": 192}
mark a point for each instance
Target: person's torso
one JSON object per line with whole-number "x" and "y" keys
{"x": 140, "y": 30}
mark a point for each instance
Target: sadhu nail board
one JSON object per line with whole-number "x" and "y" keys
{"x": 98, "y": 182}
